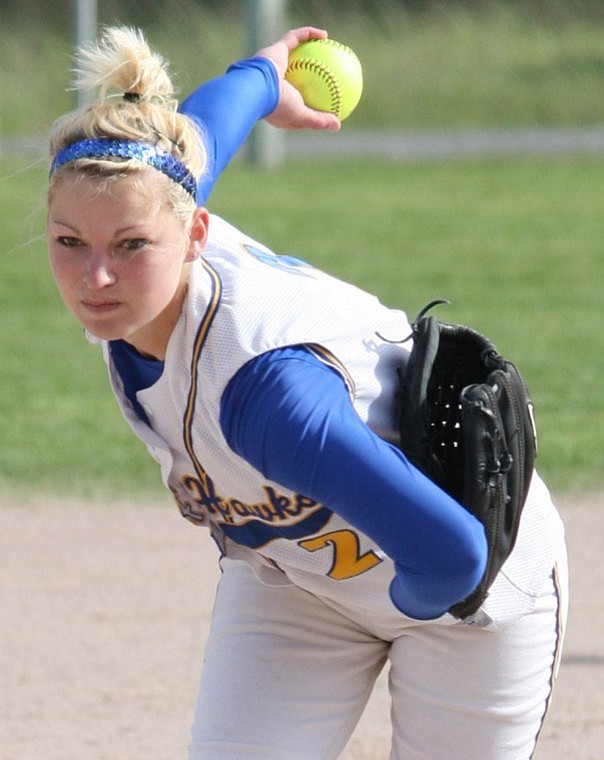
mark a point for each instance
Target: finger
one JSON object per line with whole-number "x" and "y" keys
{"x": 292, "y": 39}
{"x": 304, "y": 118}
{"x": 326, "y": 121}
{"x": 295, "y": 37}
{"x": 279, "y": 51}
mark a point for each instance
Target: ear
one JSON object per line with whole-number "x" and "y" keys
{"x": 198, "y": 233}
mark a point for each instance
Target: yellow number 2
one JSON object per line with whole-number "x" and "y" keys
{"x": 347, "y": 562}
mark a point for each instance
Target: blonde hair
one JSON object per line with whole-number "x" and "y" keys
{"x": 135, "y": 102}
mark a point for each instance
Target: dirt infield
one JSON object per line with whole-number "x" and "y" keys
{"x": 104, "y": 613}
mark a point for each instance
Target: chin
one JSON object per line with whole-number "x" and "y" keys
{"x": 103, "y": 332}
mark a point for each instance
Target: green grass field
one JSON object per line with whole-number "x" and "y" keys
{"x": 516, "y": 245}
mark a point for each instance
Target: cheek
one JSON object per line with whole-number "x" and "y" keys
{"x": 62, "y": 271}
{"x": 161, "y": 265}
{"x": 68, "y": 273}
{"x": 154, "y": 281}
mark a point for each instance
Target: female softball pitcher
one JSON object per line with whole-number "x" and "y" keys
{"x": 261, "y": 387}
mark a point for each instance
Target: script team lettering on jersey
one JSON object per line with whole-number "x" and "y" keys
{"x": 278, "y": 516}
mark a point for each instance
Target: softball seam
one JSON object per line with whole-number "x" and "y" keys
{"x": 324, "y": 73}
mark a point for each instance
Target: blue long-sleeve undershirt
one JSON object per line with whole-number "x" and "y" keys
{"x": 291, "y": 417}
{"x": 226, "y": 108}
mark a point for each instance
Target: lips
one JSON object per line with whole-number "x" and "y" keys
{"x": 100, "y": 307}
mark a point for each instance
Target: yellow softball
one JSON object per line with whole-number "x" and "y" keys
{"x": 328, "y": 75}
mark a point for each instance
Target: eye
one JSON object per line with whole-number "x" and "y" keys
{"x": 134, "y": 244}
{"x": 69, "y": 242}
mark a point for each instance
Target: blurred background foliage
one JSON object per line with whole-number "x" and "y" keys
{"x": 427, "y": 63}
{"x": 152, "y": 11}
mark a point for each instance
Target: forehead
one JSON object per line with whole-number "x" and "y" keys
{"x": 135, "y": 190}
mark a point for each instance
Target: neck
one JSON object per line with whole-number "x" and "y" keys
{"x": 152, "y": 341}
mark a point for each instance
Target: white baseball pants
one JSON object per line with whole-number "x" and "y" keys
{"x": 286, "y": 677}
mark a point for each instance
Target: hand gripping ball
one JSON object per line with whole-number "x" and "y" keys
{"x": 328, "y": 75}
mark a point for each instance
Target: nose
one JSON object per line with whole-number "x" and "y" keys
{"x": 99, "y": 272}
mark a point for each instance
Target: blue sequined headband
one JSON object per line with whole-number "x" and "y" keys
{"x": 149, "y": 154}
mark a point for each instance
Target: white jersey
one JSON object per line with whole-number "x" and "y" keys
{"x": 242, "y": 301}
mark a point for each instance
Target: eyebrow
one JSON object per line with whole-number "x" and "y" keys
{"x": 121, "y": 230}
{"x": 63, "y": 224}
